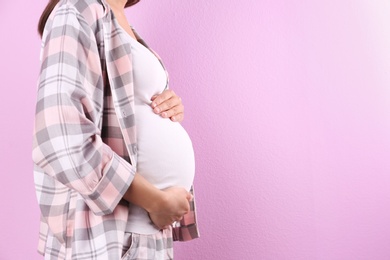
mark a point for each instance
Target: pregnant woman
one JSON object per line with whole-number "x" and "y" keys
{"x": 113, "y": 167}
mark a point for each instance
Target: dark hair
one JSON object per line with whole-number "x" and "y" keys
{"x": 50, "y": 6}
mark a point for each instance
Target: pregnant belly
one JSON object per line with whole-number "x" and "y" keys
{"x": 165, "y": 152}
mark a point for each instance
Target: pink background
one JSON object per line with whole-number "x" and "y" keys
{"x": 287, "y": 103}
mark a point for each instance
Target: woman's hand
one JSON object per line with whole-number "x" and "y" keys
{"x": 175, "y": 206}
{"x": 164, "y": 206}
{"x": 168, "y": 105}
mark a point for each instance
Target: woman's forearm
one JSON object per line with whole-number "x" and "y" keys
{"x": 163, "y": 206}
{"x": 142, "y": 193}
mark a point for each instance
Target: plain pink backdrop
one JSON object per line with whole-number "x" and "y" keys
{"x": 288, "y": 106}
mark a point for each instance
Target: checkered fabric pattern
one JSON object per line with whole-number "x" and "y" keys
{"x": 84, "y": 144}
{"x": 149, "y": 247}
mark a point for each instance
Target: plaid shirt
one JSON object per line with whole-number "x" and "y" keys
{"x": 84, "y": 146}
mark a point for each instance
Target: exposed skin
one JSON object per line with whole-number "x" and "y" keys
{"x": 164, "y": 206}
{"x": 168, "y": 105}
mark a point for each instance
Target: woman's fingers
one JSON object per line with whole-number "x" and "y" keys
{"x": 159, "y": 99}
{"x": 163, "y": 221}
{"x": 168, "y": 105}
{"x": 173, "y": 111}
{"x": 178, "y": 117}
{"x": 173, "y": 211}
{"x": 160, "y": 105}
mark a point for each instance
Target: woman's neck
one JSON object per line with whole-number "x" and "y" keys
{"x": 118, "y": 8}
{"x": 117, "y": 5}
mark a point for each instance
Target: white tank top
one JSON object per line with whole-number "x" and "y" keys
{"x": 165, "y": 152}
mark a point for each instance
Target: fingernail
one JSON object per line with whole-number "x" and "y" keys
{"x": 173, "y": 118}
{"x": 154, "y": 105}
{"x": 157, "y": 110}
{"x": 164, "y": 114}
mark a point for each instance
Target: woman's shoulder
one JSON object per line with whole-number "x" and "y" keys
{"x": 79, "y": 16}
{"x": 90, "y": 11}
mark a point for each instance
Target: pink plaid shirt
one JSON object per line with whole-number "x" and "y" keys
{"x": 84, "y": 146}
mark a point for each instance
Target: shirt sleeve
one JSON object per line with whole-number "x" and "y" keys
{"x": 187, "y": 228}
{"x": 67, "y": 144}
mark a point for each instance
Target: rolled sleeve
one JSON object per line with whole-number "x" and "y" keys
{"x": 115, "y": 181}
